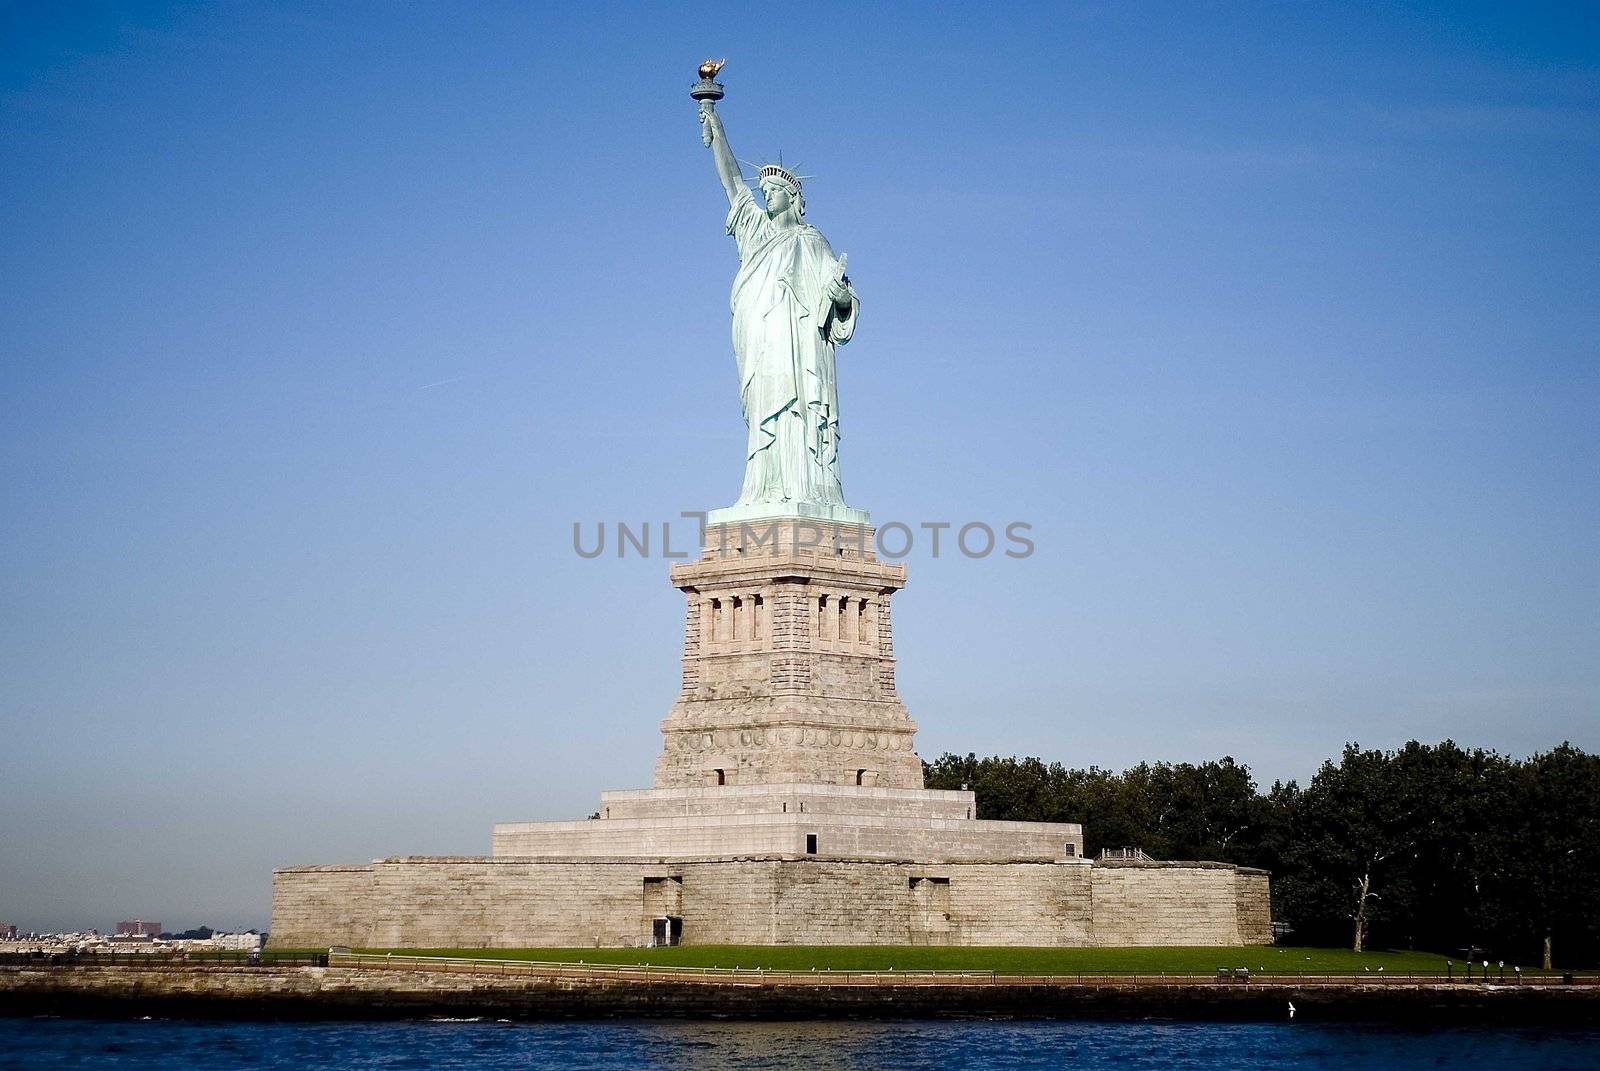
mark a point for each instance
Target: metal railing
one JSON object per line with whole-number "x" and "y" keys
{"x": 650, "y": 972}
{"x": 163, "y": 959}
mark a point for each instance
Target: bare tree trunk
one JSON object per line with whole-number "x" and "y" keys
{"x": 1546, "y": 951}
{"x": 1364, "y": 887}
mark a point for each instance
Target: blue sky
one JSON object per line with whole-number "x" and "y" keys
{"x": 321, "y": 326}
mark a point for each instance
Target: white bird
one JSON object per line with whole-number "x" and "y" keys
{"x": 1291, "y": 1009}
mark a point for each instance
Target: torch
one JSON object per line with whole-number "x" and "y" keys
{"x": 707, "y": 91}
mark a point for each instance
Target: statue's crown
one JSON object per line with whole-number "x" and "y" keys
{"x": 781, "y": 173}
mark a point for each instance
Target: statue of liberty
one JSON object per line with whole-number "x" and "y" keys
{"x": 792, "y": 304}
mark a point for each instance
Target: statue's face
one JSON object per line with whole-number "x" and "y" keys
{"x": 777, "y": 195}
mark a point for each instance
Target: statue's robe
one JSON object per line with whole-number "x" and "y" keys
{"x": 785, "y": 328}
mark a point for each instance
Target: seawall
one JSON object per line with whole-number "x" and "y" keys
{"x": 357, "y": 993}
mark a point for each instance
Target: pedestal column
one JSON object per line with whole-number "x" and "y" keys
{"x": 800, "y": 692}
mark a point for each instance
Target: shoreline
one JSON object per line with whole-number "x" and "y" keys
{"x": 357, "y": 993}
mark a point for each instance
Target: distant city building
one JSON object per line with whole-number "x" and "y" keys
{"x": 8, "y": 932}
{"x": 138, "y": 928}
{"x": 237, "y": 942}
{"x": 133, "y": 943}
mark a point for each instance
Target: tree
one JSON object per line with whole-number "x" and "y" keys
{"x": 1429, "y": 846}
{"x": 1558, "y": 879}
{"x": 1350, "y": 828}
{"x": 1206, "y": 811}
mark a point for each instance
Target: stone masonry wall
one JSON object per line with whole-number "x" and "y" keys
{"x": 469, "y": 903}
{"x": 849, "y": 836}
{"x": 1254, "y": 898}
{"x": 478, "y": 902}
{"x": 808, "y": 798}
{"x": 318, "y": 906}
{"x": 462, "y": 903}
{"x": 1020, "y": 904}
{"x": 1167, "y": 904}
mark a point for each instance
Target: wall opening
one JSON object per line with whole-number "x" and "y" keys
{"x": 666, "y": 932}
{"x": 930, "y": 910}
{"x": 1072, "y": 850}
{"x": 722, "y": 777}
{"x": 811, "y": 844}
{"x": 861, "y": 777}
{"x": 663, "y": 909}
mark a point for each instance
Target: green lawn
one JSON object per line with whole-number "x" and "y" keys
{"x": 1269, "y": 958}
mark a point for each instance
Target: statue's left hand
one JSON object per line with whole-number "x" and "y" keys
{"x": 839, "y": 289}
{"x": 839, "y": 292}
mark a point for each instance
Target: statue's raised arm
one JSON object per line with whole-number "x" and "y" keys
{"x": 708, "y": 91}
{"x": 713, "y": 135}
